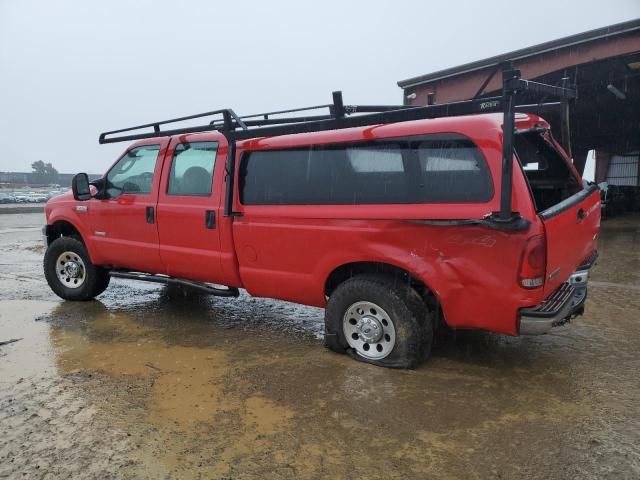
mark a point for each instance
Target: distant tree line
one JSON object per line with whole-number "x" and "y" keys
{"x": 44, "y": 173}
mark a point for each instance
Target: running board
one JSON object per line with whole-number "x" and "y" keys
{"x": 203, "y": 287}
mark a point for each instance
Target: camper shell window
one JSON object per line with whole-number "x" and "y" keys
{"x": 427, "y": 169}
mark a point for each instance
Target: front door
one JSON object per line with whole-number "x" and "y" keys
{"x": 188, "y": 211}
{"x": 124, "y": 225}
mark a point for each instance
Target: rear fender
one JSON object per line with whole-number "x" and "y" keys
{"x": 472, "y": 271}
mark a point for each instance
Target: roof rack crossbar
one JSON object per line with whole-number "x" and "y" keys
{"x": 158, "y": 132}
{"x": 291, "y": 110}
{"x": 275, "y": 121}
{"x": 376, "y": 108}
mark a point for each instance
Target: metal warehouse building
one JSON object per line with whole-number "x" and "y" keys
{"x": 603, "y": 64}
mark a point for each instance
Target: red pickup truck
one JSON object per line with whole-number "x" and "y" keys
{"x": 394, "y": 228}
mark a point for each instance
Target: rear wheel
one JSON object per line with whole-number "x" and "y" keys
{"x": 379, "y": 321}
{"x": 70, "y": 273}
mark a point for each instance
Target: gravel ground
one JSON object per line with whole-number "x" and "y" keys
{"x": 150, "y": 382}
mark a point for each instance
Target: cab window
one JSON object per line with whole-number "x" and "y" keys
{"x": 192, "y": 169}
{"x": 133, "y": 173}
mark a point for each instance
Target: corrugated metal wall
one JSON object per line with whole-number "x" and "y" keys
{"x": 623, "y": 170}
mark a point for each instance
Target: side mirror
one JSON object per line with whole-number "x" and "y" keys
{"x": 80, "y": 187}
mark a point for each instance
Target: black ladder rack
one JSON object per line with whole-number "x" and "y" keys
{"x": 339, "y": 116}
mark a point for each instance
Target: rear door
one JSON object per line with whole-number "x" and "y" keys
{"x": 569, "y": 210}
{"x": 188, "y": 210}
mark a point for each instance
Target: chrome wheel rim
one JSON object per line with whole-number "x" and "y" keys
{"x": 70, "y": 270}
{"x": 369, "y": 330}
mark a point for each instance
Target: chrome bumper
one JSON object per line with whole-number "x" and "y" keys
{"x": 557, "y": 309}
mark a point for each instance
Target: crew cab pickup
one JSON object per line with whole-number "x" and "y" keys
{"x": 391, "y": 227}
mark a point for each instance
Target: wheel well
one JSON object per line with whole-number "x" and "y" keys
{"x": 62, "y": 228}
{"x": 394, "y": 273}
{"x": 344, "y": 272}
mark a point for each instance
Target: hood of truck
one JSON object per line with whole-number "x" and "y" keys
{"x": 66, "y": 197}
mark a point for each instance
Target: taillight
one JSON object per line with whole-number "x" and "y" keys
{"x": 533, "y": 262}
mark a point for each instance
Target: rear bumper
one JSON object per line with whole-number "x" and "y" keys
{"x": 554, "y": 311}
{"x": 559, "y": 307}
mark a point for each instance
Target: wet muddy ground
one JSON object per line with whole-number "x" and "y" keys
{"x": 148, "y": 382}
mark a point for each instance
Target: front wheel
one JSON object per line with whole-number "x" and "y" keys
{"x": 379, "y": 321}
{"x": 70, "y": 273}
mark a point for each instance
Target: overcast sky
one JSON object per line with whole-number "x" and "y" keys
{"x": 72, "y": 69}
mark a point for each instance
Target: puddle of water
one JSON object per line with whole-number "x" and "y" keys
{"x": 32, "y": 355}
{"x": 191, "y": 387}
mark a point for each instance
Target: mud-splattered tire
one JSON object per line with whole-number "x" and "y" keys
{"x": 83, "y": 281}
{"x": 379, "y": 321}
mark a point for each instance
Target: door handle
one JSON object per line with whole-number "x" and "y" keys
{"x": 210, "y": 219}
{"x": 150, "y": 214}
{"x": 580, "y": 215}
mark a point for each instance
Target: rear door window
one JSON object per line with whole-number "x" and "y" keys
{"x": 425, "y": 169}
{"x": 192, "y": 169}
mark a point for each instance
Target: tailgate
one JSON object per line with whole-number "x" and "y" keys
{"x": 571, "y": 229}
